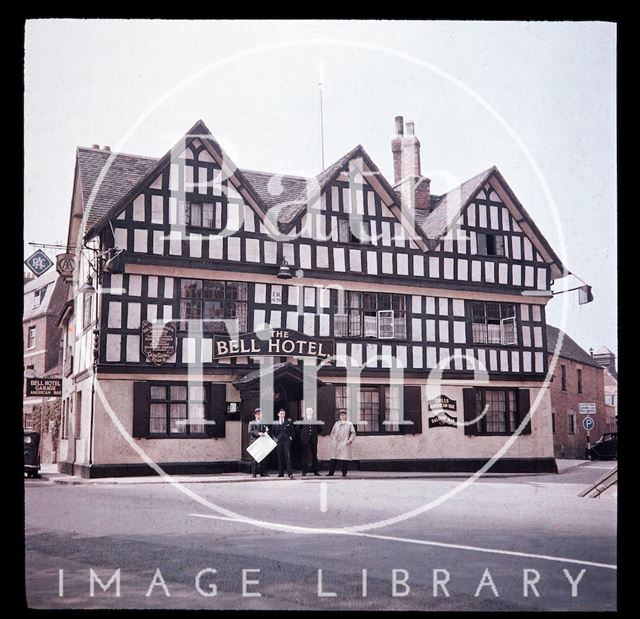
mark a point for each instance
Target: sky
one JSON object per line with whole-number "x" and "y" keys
{"x": 536, "y": 99}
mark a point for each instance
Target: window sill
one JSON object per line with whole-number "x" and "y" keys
{"x": 176, "y": 436}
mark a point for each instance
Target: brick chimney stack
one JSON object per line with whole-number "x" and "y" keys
{"x": 414, "y": 189}
{"x": 396, "y": 149}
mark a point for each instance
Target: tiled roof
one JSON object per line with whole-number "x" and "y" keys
{"x": 125, "y": 171}
{"x": 121, "y": 173}
{"x": 603, "y": 350}
{"x": 569, "y": 349}
{"x": 284, "y": 197}
{"x": 278, "y": 192}
{"x": 49, "y": 280}
{"x": 314, "y": 187}
{"x": 450, "y": 205}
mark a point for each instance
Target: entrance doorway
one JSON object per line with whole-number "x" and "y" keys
{"x": 287, "y": 394}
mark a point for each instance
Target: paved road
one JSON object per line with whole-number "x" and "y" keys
{"x": 490, "y": 532}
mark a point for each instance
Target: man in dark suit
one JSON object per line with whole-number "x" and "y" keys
{"x": 308, "y": 436}
{"x": 282, "y": 432}
{"x": 256, "y": 430}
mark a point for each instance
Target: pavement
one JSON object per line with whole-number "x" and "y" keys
{"x": 49, "y": 473}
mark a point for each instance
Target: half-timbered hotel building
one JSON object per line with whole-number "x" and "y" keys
{"x": 203, "y": 290}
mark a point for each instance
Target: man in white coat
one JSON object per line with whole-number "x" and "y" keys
{"x": 342, "y": 436}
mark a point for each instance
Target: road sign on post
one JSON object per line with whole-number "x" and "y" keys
{"x": 588, "y": 423}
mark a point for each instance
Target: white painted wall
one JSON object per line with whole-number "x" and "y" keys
{"x": 110, "y": 446}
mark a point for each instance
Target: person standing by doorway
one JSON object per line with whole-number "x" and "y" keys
{"x": 342, "y": 436}
{"x": 256, "y": 430}
{"x": 308, "y": 435}
{"x": 283, "y": 434}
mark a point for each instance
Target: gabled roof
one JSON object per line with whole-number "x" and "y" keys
{"x": 450, "y": 206}
{"x": 603, "y": 350}
{"x": 285, "y": 198}
{"x": 569, "y": 349}
{"x": 121, "y": 173}
{"x": 49, "y": 281}
{"x": 314, "y": 187}
{"x": 122, "y": 197}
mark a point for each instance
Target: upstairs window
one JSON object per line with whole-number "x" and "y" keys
{"x": 490, "y": 244}
{"x": 31, "y": 338}
{"x": 347, "y": 233}
{"x": 201, "y": 215}
{"x": 370, "y": 315}
{"x": 494, "y": 323}
{"x": 579, "y": 381}
{"x": 563, "y": 377}
{"x": 213, "y": 301}
{"x": 87, "y": 309}
{"x": 38, "y": 296}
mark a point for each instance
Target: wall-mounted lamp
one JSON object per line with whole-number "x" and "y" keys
{"x": 87, "y": 287}
{"x": 284, "y": 272}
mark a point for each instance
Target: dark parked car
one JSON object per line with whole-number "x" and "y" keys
{"x": 606, "y": 448}
{"x": 31, "y": 453}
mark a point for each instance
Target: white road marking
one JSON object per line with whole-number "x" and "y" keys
{"x": 420, "y": 542}
{"x": 323, "y": 496}
{"x": 608, "y": 468}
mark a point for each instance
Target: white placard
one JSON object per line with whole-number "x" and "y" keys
{"x": 261, "y": 448}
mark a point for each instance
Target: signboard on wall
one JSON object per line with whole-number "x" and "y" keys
{"x": 587, "y": 408}
{"x": 440, "y": 405}
{"x": 443, "y": 403}
{"x": 272, "y": 343}
{"x": 44, "y": 387}
{"x": 158, "y": 341}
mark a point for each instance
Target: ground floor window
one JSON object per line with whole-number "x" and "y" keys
{"x": 64, "y": 419}
{"x": 496, "y": 411}
{"x": 571, "y": 422}
{"x": 379, "y": 408}
{"x": 28, "y": 420}
{"x": 177, "y": 410}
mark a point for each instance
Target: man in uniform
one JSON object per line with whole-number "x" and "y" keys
{"x": 308, "y": 435}
{"x": 282, "y": 432}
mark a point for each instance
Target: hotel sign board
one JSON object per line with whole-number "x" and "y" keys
{"x": 272, "y": 343}
{"x": 44, "y": 387}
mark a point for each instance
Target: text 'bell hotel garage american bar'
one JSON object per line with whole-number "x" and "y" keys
{"x": 203, "y": 290}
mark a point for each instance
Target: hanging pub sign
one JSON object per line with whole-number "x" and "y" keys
{"x": 273, "y": 342}
{"x": 158, "y": 341}
{"x": 44, "y": 387}
{"x": 440, "y": 405}
{"x": 65, "y": 264}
